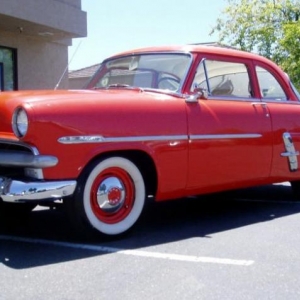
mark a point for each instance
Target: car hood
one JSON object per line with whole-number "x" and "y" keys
{"x": 56, "y": 106}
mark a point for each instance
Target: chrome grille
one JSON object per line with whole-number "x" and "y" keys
{"x": 16, "y": 172}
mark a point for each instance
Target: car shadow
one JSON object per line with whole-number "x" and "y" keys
{"x": 170, "y": 221}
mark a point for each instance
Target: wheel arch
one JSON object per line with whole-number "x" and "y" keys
{"x": 141, "y": 159}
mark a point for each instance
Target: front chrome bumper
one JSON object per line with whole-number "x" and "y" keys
{"x": 21, "y": 159}
{"x": 20, "y": 191}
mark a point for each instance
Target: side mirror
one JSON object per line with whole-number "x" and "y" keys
{"x": 199, "y": 93}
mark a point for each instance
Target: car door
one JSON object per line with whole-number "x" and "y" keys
{"x": 230, "y": 139}
{"x": 285, "y": 115}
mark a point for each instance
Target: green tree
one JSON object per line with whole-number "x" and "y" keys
{"x": 268, "y": 27}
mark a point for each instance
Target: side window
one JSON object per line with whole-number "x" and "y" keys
{"x": 269, "y": 86}
{"x": 221, "y": 78}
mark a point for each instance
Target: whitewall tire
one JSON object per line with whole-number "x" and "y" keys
{"x": 112, "y": 195}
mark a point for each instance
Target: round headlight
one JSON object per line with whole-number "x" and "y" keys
{"x": 20, "y": 122}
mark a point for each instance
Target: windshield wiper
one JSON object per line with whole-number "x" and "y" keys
{"x": 115, "y": 85}
{"x": 126, "y": 86}
{"x": 119, "y": 85}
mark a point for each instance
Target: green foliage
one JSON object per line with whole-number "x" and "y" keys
{"x": 268, "y": 27}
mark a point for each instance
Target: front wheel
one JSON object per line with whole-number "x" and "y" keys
{"x": 110, "y": 196}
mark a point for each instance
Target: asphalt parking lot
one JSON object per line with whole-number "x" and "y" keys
{"x": 238, "y": 245}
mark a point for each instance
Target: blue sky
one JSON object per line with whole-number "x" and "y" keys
{"x": 116, "y": 26}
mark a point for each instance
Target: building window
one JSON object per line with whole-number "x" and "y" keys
{"x": 1, "y": 77}
{"x": 8, "y": 70}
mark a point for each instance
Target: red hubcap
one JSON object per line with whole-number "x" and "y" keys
{"x": 114, "y": 195}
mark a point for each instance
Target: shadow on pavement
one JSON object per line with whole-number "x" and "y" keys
{"x": 161, "y": 223}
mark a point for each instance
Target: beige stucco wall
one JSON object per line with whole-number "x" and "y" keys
{"x": 41, "y": 32}
{"x": 40, "y": 64}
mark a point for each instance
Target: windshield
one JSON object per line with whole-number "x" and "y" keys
{"x": 154, "y": 71}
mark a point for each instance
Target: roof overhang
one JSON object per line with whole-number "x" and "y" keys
{"x": 61, "y": 21}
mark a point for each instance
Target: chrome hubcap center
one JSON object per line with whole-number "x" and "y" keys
{"x": 111, "y": 194}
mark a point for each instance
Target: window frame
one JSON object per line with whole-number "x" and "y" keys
{"x": 203, "y": 57}
{"x": 1, "y": 77}
{"x": 278, "y": 80}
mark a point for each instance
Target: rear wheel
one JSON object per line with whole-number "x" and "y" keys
{"x": 296, "y": 189}
{"x": 110, "y": 196}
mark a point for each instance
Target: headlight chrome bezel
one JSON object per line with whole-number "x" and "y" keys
{"x": 20, "y": 122}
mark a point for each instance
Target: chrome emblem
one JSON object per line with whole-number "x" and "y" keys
{"x": 291, "y": 152}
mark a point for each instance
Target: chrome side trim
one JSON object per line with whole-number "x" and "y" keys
{"x": 291, "y": 152}
{"x": 23, "y": 159}
{"x": 102, "y": 139}
{"x": 18, "y": 191}
{"x": 225, "y": 136}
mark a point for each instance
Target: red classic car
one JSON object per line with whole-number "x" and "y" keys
{"x": 160, "y": 123}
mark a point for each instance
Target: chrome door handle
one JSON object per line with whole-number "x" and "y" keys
{"x": 263, "y": 105}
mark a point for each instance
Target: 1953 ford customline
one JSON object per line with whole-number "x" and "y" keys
{"x": 164, "y": 123}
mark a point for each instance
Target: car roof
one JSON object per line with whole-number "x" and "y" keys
{"x": 212, "y": 49}
{"x": 196, "y": 48}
